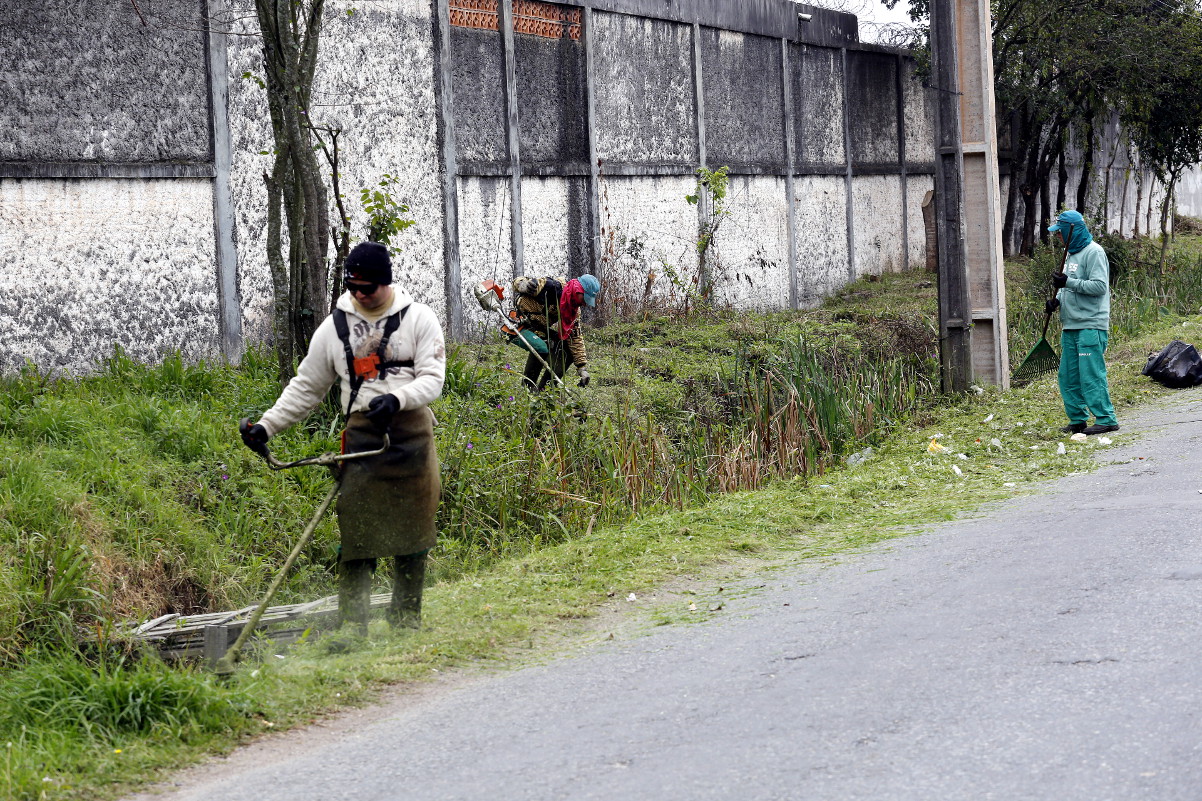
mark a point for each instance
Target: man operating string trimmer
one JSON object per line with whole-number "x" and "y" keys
{"x": 389, "y": 355}
{"x": 550, "y": 309}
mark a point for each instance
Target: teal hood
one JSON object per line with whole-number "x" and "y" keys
{"x": 1081, "y": 236}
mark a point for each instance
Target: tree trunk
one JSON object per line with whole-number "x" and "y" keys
{"x": 1061, "y": 181}
{"x": 1086, "y": 167}
{"x": 1029, "y": 189}
{"x": 291, "y": 34}
{"x": 1139, "y": 199}
{"x": 1165, "y": 239}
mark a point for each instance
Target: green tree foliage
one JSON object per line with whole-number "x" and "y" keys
{"x": 1063, "y": 67}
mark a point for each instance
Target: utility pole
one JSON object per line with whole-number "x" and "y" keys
{"x": 972, "y": 293}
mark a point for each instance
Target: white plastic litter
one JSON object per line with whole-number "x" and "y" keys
{"x": 987, "y": 419}
{"x": 995, "y": 442}
{"x": 956, "y": 469}
{"x": 1012, "y": 484}
{"x": 1078, "y": 437}
{"x": 1060, "y": 451}
{"x": 1105, "y": 441}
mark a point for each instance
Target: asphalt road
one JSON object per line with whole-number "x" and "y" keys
{"x": 1049, "y": 650}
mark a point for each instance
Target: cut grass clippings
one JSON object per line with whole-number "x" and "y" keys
{"x": 994, "y": 446}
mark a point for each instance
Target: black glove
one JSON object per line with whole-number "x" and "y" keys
{"x": 1052, "y": 305}
{"x": 381, "y": 409}
{"x": 584, "y": 377}
{"x": 253, "y": 436}
{"x": 1059, "y": 280}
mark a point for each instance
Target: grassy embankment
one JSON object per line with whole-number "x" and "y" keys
{"x": 127, "y": 493}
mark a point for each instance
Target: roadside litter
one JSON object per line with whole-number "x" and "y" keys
{"x": 1177, "y": 365}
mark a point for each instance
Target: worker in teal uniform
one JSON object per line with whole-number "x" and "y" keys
{"x": 1083, "y": 299}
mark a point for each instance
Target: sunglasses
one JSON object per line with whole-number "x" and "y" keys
{"x": 360, "y": 289}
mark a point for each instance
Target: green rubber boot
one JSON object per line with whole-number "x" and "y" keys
{"x": 408, "y": 578}
{"x": 354, "y": 594}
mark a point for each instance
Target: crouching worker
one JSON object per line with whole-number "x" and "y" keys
{"x": 550, "y": 307}
{"x": 388, "y": 353}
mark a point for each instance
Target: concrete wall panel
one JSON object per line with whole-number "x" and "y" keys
{"x": 484, "y": 240}
{"x": 648, "y": 231}
{"x": 818, "y": 100}
{"x": 121, "y": 262}
{"x": 821, "y": 210}
{"x": 555, "y": 226}
{"x": 552, "y": 102}
{"x": 752, "y": 246}
{"x": 478, "y": 84}
{"x": 744, "y": 106}
{"x": 919, "y": 117}
{"x": 876, "y": 201}
{"x": 872, "y": 81}
{"x": 87, "y": 81}
{"x": 645, "y": 98}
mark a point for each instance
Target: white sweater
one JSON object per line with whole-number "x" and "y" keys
{"x": 418, "y": 338}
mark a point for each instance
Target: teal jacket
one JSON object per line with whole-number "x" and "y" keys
{"x": 1085, "y": 299}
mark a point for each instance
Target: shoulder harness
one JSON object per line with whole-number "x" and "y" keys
{"x": 369, "y": 367}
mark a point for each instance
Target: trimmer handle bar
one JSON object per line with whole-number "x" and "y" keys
{"x": 322, "y": 460}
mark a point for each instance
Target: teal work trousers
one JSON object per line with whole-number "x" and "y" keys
{"x": 1083, "y": 377}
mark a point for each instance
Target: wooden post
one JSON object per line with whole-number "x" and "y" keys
{"x": 217, "y": 642}
{"x": 704, "y": 277}
{"x": 982, "y": 222}
{"x": 955, "y": 322}
{"x": 848, "y": 180}
{"x": 928, "y": 226}
{"x": 900, "y": 90}
{"x": 594, "y": 181}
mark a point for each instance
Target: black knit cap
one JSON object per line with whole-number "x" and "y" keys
{"x": 368, "y": 262}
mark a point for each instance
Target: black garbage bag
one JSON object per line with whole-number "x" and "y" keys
{"x": 1178, "y": 365}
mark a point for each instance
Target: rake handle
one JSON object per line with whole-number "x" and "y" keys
{"x": 1047, "y": 317}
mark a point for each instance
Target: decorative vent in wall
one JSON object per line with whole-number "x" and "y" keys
{"x": 547, "y": 20}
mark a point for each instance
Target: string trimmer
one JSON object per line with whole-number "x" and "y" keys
{"x": 227, "y": 664}
{"x": 1042, "y": 359}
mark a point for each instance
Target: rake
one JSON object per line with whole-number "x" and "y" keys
{"x": 1043, "y": 358}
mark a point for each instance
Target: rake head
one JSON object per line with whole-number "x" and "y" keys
{"x": 1040, "y": 361}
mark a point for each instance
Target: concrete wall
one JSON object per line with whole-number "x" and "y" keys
{"x": 645, "y": 96}
{"x": 133, "y": 268}
{"x": 563, "y": 145}
{"x": 86, "y": 81}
